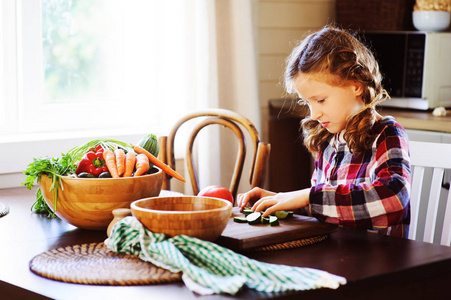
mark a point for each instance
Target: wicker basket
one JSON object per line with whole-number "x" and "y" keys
{"x": 375, "y": 14}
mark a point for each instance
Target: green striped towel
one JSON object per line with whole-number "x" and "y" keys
{"x": 208, "y": 268}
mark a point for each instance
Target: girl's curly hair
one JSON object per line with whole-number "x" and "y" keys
{"x": 336, "y": 52}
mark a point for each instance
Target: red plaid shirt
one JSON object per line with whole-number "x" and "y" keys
{"x": 369, "y": 190}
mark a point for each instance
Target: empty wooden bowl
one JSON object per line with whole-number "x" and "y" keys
{"x": 201, "y": 217}
{"x": 88, "y": 203}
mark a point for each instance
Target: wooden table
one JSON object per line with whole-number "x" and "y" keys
{"x": 374, "y": 266}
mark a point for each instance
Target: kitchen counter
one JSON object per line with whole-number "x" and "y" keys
{"x": 420, "y": 120}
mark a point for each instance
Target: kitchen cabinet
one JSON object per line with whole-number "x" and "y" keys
{"x": 290, "y": 164}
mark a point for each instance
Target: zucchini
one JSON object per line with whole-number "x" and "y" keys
{"x": 150, "y": 143}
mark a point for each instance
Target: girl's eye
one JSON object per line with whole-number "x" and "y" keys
{"x": 320, "y": 101}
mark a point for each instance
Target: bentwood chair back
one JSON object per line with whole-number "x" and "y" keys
{"x": 435, "y": 156}
{"x": 236, "y": 123}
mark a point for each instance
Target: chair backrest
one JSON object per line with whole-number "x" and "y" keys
{"x": 233, "y": 121}
{"x": 424, "y": 155}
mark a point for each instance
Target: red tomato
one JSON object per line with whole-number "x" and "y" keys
{"x": 216, "y": 191}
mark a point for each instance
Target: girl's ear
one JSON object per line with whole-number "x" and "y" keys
{"x": 358, "y": 89}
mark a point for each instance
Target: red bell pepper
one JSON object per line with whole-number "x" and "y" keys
{"x": 93, "y": 163}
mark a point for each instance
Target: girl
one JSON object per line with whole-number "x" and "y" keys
{"x": 362, "y": 172}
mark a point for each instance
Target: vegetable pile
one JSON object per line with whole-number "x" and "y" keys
{"x": 99, "y": 158}
{"x": 256, "y": 218}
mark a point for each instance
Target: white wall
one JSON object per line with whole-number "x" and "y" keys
{"x": 282, "y": 23}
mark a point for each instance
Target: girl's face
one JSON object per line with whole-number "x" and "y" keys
{"x": 329, "y": 105}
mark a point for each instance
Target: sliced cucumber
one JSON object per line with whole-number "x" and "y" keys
{"x": 281, "y": 214}
{"x": 247, "y": 211}
{"x": 254, "y": 218}
{"x": 240, "y": 219}
{"x": 273, "y": 221}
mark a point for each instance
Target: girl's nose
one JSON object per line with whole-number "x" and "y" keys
{"x": 315, "y": 113}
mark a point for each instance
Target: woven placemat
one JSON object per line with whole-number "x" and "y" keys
{"x": 96, "y": 264}
{"x": 4, "y": 209}
{"x": 291, "y": 244}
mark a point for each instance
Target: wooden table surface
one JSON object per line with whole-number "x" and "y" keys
{"x": 375, "y": 266}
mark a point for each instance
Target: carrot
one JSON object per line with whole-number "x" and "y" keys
{"x": 130, "y": 160}
{"x": 142, "y": 164}
{"x": 158, "y": 163}
{"x": 110, "y": 162}
{"x": 120, "y": 161}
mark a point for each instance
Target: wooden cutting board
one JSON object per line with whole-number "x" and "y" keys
{"x": 242, "y": 236}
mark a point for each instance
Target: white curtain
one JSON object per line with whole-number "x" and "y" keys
{"x": 223, "y": 75}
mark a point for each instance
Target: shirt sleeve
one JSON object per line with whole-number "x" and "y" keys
{"x": 379, "y": 201}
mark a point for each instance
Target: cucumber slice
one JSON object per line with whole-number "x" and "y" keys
{"x": 281, "y": 214}
{"x": 254, "y": 218}
{"x": 247, "y": 211}
{"x": 273, "y": 221}
{"x": 240, "y": 219}
{"x": 264, "y": 220}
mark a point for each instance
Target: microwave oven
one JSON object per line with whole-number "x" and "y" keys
{"x": 415, "y": 65}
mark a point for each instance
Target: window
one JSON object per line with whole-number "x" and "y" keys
{"x": 91, "y": 68}
{"x": 88, "y": 64}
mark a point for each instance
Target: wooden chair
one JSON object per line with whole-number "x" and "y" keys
{"x": 438, "y": 157}
{"x": 233, "y": 121}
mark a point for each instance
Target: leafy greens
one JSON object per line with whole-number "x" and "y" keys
{"x": 54, "y": 168}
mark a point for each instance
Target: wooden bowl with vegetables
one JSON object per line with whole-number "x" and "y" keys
{"x": 87, "y": 183}
{"x": 88, "y": 203}
{"x": 201, "y": 217}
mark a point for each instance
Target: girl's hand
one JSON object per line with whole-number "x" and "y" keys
{"x": 282, "y": 201}
{"x": 252, "y": 196}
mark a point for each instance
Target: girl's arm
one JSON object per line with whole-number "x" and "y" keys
{"x": 282, "y": 201}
